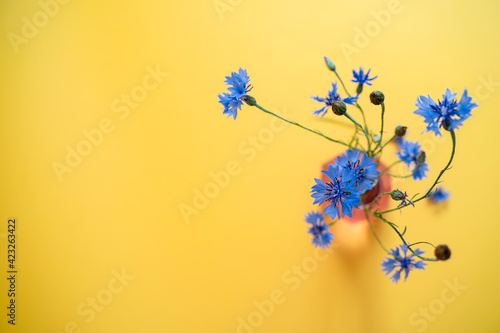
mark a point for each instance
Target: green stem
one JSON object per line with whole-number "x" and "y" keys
{"x": 358, "y": 106}
{"x": 296, "y": 124}
{"x": 391, "y": 165}
{"x": 373, "y": 231}
{"x": 376, "y": 198}
{"x": 381, "y": 127}
{"x": 402, "y": 238}
{"x": 361, "y": 128}
{"x": 385, "y": 144}
{"x": 454, "y": 141}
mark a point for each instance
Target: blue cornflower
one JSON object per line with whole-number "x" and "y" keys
{"x": 365, "y": 168}
{"x": 333, "y": 95}
{"x": 239, "y": 87}
{"x": 446, "y": 113}
{"x": 339, "y": 192}
{"x": 409, "y": 154}
{"x": 440, "y": 195}
{"x": 322, "y": 236}
{"x": 402, "y": 262}
{"x": 361, "y": 78}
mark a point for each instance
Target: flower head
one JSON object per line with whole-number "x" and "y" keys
{"x": 364, "y": 168}
{"x": 410, "y": 152}
{"x": 447, "y": 113}
{"x": 361, "y": 78}
{"x": 238, "y": 88}
{"x": 400, "y": 262}
{"x": 440, "y": 195}
{"x": 322, "y": 237}
{"x": 333, "y": 95}
{"x": 340, "y": 192}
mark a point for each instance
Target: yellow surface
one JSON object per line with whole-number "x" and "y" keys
{"x": 103, "y": 246}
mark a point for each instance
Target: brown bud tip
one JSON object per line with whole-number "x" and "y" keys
{"x": 377, "y": 97}
{"x": 442, "y": 252}
{"x": 339, "y": 108}
{"x": 400, "y": 131}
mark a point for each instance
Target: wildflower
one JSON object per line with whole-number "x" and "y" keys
{"x": 360, "y": 78}
{"x": 239, "y": 87}
{"x": 447, "y": 113}
{"x": 440, "y": 195}
{"x": 410, "y": 153}
{"x": 402, "y": 262}
{"x": 340, "y": 192}
{"x": 333, "y": 95}
{"x": 364, "y": 167}
{"x": 322, "y": 237}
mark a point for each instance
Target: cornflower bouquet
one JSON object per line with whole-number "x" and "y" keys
{"x": 350, "y": 183}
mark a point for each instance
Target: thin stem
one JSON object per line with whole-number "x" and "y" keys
{"x": 391, "y": 165}
{"x": 454, "y": 141}
{"x": 402, "y": 238}
{"x": 373, "y": 231}
{"x": 358, "y": 106}
{"x": 385, "y": 144}
{"x": 296, "y": 124}
{"x": 398, "y": 176}
{"x": 381, "y": 127}
{"x": 343, "y": 85}
{"x": 376, "y": 198}
{"x": 361, "y": 128}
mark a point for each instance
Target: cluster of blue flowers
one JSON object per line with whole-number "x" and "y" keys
{"x": 350, "y": 175}
{"x": 355, "y": 172}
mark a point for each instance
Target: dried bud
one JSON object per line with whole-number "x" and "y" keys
{"x": 330, "y": 64}
{"x": 377, "y": 97}
{"x": 249, "y": 100}
{"x": 421, "y": 157}
{"x": 400, "y": 131}
{"x": 442, "y": 252}
{"x": 339, "y": 108}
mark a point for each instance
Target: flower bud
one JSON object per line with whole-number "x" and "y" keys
{"x": 330, "y": 64}
{"x": 249, "y": 100}
{"x": 400, "y": 131}
{"x": 442, "y": 252}
{"x": 421, "y": 157}
{"x": 377, "y": 97}
{"x": 339, "y": 108}
{"x": 398, "y": 195}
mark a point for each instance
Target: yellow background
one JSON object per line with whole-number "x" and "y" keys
{"x": 119, "y": 211}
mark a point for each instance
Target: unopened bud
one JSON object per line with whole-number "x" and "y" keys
{"x": 421, "y": 157}
{"x": 377, "y": 97}
{"x": 442, "y": 252}
{"x": 330, "y": 64}
{"x": 397, "y": 195}
{"x": 400, "y": 131}
{"x": 339, "y": 108}
{"x": 249, "y": 100}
